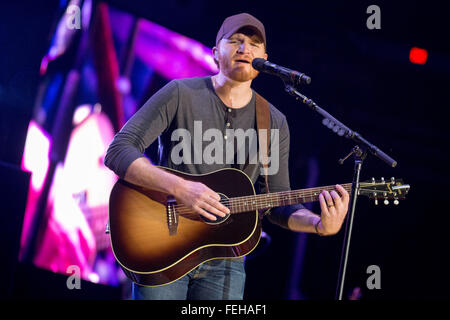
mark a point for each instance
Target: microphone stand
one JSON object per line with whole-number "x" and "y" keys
{"x": 359, "y": 151}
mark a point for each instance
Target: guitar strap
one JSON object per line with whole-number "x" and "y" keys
{"x": 263, "y": 126}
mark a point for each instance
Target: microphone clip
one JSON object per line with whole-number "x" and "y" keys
{"x": 357, "y": 151}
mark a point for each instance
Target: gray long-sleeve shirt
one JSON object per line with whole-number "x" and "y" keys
{"x": 200, "y": 134}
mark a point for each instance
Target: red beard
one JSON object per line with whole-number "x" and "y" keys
{"x": 237, "y": 71}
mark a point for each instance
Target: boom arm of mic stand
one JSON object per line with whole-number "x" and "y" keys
{"x": 340, "y": 129}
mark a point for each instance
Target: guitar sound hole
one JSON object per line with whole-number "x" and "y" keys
{"x": 224, "y": 201}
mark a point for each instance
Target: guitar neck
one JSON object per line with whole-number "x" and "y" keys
{"x": 278, "y": 199}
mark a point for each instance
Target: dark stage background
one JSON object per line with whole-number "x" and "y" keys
{"x": 363, "y": 77}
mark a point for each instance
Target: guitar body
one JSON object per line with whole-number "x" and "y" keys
{"x": 151, "y": 254}
{"x": 157, "y": 241}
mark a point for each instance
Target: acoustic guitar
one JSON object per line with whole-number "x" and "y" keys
{"x": 157, "y": 240}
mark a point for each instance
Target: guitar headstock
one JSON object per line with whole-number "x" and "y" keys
{"x": 393, "y": 189}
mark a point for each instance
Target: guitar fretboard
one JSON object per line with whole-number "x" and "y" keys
{"x": 277, "y": 199}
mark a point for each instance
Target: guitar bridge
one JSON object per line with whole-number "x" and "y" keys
{"x": 172, "y": 219}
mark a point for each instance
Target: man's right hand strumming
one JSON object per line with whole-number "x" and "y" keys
{"x": 200, "y": 198}
{"x": 194, "y": 195}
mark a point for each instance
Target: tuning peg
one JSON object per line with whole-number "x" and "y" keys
{"x": 396, "y": 202}
{"x": 392, "y": 180}
{"x": 382, "y": 179}
{"x": 376, "y": 201}
{"x": 386, "y": 201}
{"x": 373, "y": 180}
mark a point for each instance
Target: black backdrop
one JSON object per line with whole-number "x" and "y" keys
{"x": 364, "y": 78}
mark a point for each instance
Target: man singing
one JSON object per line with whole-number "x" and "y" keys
{"x": 222, "y": 102}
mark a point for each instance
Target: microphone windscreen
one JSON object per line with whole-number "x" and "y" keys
{"x": 258, "y": 63}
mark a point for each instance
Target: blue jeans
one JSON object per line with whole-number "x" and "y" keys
{"x": 222, "y": 279}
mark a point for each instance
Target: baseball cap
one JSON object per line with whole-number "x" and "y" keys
{"x": 233, "y": 23}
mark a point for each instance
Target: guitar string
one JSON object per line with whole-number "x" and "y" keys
{"x": 237, "y": 203}
{"x": 268, "y": 199}
{"x": 265, "y": 197}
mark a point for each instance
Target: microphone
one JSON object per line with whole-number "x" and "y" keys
{"x": 286, "y": 74}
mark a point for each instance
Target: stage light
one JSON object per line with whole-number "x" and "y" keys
{"x": 36, "y": 154}
{"x": 418, "y": 55}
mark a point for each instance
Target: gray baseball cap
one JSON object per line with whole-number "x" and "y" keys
{"x": 233, "y": 23}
